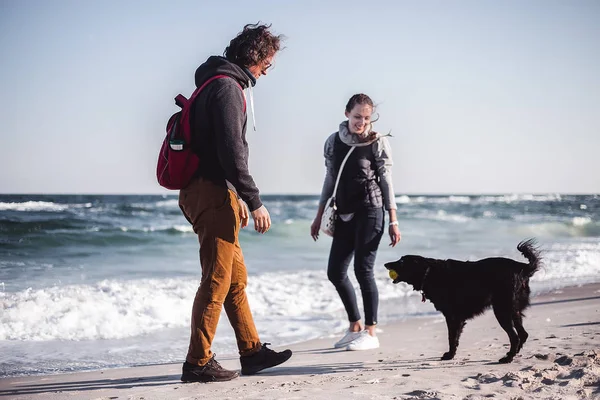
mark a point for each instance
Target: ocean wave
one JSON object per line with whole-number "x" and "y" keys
{"x": 478, "y": 199}
{"x": 118, "y": 309}
{"x": 113, "y": 309}
{"x": 566, "y": 263}
{"x": 159, "y": 229}
{"x": 581, "y": 221}
{"x": 18, "y": 228}
{"x": 149, "y": 206}
{"x": 50, "y": 230}
{"x": 290, "y": 209}
{"x": 577, "y": 227}
{"x": 441, "y": 215}
{"x": 109, "y": 309}
{"x": 172, "y": 203}
{"x": 92, "y": 236}
{"x": 28, "y": 206}
{"x": 434, "y": 199}
{"x": 403, "y": 199}
{"x": 512, "y": 198}
{"x": 97, "y": 207}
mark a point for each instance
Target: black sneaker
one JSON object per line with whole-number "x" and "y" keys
{"x": 210, "y": 372}
{"x": 264, "y": 358}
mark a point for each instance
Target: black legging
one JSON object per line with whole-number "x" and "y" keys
{"x": 359, "y": 237}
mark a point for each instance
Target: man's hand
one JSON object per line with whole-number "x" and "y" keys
{"x": 243, "y": 213}
{"x": 262, "y": 219}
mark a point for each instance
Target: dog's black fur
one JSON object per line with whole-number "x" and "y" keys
{"x": 462, "y": 290}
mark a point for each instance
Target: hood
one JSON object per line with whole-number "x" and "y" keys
{"x": 351, "y": 138}
{"x": 216, "y": 65}
{"x": 364, "y": 139}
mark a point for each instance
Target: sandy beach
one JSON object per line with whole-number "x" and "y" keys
{"x": 561, "y": 360}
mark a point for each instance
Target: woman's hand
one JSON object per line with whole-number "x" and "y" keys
{"x": 395, "y": 235}
{"x": 314, "y": 228}
{"x": 371, "y": 136}
{"x": 394, "y": 231}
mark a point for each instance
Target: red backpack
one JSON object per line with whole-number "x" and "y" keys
{"x": 177, "y": 162}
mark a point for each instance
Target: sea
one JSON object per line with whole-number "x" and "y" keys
{"x": 93, "y": 282}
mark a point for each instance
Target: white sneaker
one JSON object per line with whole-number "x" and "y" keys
{"x": 364, "y": 342}
{"x": 347, "y": 339}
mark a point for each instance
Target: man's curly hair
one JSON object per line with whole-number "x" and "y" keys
{"x": 254, "y": 44}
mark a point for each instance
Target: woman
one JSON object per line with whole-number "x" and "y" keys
{"x": 364, "y": 190}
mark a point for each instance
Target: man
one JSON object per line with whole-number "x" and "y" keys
{"x": 214, "y": 204}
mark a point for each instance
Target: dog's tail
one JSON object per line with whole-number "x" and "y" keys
{"x": 531, "y": 252}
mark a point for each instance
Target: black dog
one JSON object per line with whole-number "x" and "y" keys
{"x": 462, "y": 290}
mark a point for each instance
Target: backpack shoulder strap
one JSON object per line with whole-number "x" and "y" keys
{"x": 181, "y": 101}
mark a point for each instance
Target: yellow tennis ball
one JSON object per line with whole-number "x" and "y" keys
{"x": 393, "y": 274}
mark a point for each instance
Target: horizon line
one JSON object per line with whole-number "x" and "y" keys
{"x": 174, "y": 193}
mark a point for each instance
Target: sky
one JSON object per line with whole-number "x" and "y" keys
{"x": 481, "y": 96}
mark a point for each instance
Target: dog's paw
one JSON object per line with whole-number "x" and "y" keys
{"x": 447, "y": 356}
{"x": 506, "y": 359}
